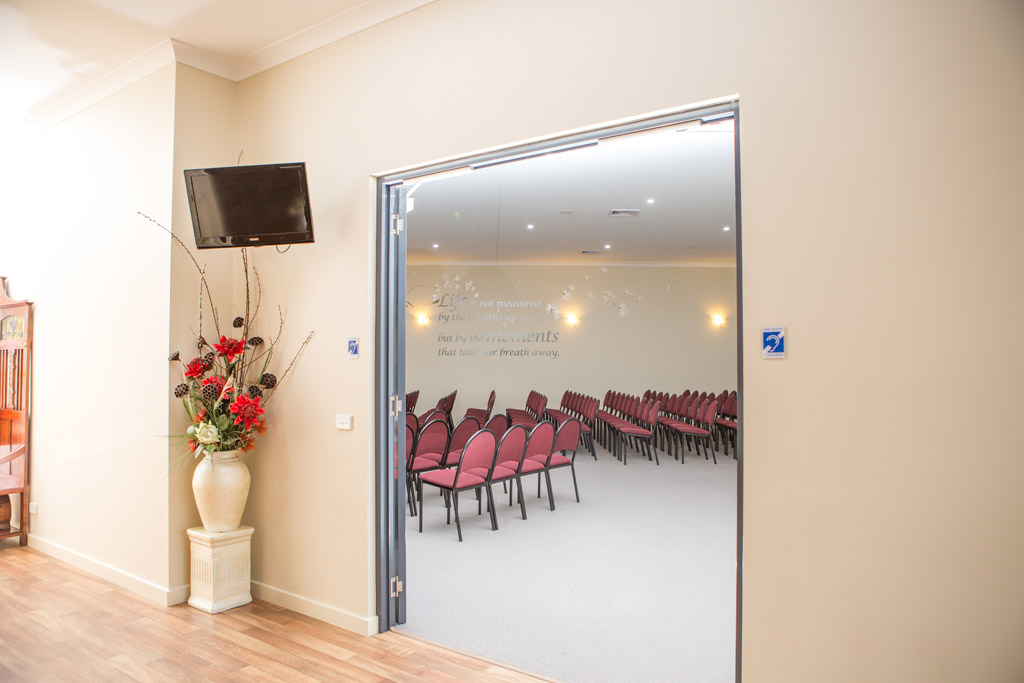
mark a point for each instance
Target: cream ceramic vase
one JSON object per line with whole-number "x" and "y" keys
{"x": 221, "y": 485}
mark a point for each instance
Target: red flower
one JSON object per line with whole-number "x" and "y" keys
{"x": 248, "y": 411}
{"x": 230, "y": 347}
{"x": 216, "y": 380}
{"x": 194, "y": 368}
{"x": 200, "y": 417}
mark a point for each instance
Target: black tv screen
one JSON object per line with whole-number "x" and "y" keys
{"x": 249, "y": 206}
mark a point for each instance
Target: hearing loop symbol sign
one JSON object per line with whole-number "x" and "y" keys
{"x": 773, "y": 342}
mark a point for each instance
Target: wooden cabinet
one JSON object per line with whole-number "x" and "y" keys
{"x": 15, "y": 408}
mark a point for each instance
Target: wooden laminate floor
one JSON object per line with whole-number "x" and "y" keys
{"x": 58, "y": 623}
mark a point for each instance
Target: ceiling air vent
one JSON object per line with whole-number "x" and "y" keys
{"x": 592, "y": 251}
{"x": 626, "y": 213}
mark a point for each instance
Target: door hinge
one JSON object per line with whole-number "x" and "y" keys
{"x": 397, "y": 224}
{"x": 395, "y": 406}
{"x": 396, "y": 587}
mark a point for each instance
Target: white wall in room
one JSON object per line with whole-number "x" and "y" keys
{"x": 505, "y": 328}
{"x": 873, "y": 549}
{"x": 99, "y": 275}
{"x": 204, "y": 136}
{"x": 881, "y": 211}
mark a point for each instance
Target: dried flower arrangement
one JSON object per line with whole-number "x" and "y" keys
{"x": 226, "y": 386}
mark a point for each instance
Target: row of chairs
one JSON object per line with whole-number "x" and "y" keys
{"x": 579, "y": 406}
{"x": 411, "y": 398}
{"x": 626, "y": 421}
{"x": 691, "y": 408}
{"x": 497, "y": 453}
{"x": 536, "y": 404}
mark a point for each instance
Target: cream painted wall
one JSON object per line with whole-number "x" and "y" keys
{"x": 204, "y": 136}
{"x": 99, "y": 275}
{"x": 653, "y": 331}
{"x": 881, "y": 213}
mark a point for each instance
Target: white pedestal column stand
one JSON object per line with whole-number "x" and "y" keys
{"x": 220, "y": 568}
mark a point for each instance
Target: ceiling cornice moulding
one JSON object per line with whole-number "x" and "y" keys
{"x": 170, "y": 50}
{"x": 326, "y": 32}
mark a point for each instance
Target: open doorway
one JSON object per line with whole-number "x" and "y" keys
{"x": 602, "y": 262}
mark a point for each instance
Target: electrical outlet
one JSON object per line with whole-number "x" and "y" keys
{"x": 343, "y": 421}
{"x": 33, "y": 508}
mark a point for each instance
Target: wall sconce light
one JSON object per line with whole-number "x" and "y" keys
{"x": 572, "y": 319}
{"x": 422, "y": 318}
{"x": 718, "y": 320}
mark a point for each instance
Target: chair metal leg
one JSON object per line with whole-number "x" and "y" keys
{"x": 551, "y": 495}
{"x": 490, "y": 506}
{"x": 458, "y": 524}
{"x": 419, "y": 486}
{"x": 522, "y": 500}
{"x": 572, "y": 468}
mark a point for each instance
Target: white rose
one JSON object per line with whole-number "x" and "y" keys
{"x": 207, "y": 434}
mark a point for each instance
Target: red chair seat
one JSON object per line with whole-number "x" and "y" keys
{"x": 446, "y": 478}
{"x": 479, "y": 413}
{"x": 584, "y": 428}
{"x": 530, "y": 465}
{"x": 685, "y": 428}
{"x": 730, "y": 424}
{"x": 635, "y": 431}
{"x": 502, "y": 473}
{"x": 558, "y": 460}
{"x": 419, "y": 464}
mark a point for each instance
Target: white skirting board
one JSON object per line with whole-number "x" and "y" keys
{"x": 161, "y": 595}
{"x": 336, "y": 616}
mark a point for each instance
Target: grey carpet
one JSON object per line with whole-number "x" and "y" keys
{"x": 635, "y": 583}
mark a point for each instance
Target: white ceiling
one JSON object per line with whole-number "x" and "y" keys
{"x": 53, "y": 51}
{"x": 483, "y": 216}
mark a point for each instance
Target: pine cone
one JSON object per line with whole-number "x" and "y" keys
{"x": 211, "y": 392}
{"x": 208, "y": 359}
{"x": 255, "y": 341}
{"x": 175, "y": 356}
{"x": 180, "y": 390}
{"x": 255, "y": 391}
{"x": 268, "y": 381}
{"x": 238, "y": 322}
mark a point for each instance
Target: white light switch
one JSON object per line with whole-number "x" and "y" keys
{"x": 343, "y": 421}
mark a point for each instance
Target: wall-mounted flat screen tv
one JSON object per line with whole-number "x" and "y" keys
{"x": 249, "y": 206}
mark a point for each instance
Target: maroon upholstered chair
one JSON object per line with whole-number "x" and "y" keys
{"x": 467, "y": 427}
{"x": 412, "y": 421}
{"x": 727, "y": 424}
{"x": 432, "y": 414}
{"x": 472, "y": 473}
{"x": 507, "y": 462}
{"x": 538, "y": 450}
{"x": 410, "y": 401}
{"x": 497, "y": 424}
{"x": 410, "y": 443}
{"x": 429, "y": 451}
{"x": 482, "y": 414}
{"x": 567, "y": 439}
{"x": 641, "y": 432}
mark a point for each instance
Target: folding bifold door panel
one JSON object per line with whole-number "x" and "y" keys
{"x": 391, "y": 360}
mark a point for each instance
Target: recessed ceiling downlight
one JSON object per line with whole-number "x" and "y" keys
{"x": 530, "y": 226}
{"x": 436, "y": 246}
{"x": 650, "y": 201}
{"x": 607, "y": 246}
{"x": 726, "y": 228}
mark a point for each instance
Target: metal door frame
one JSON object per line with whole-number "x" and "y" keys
{"x": 390, "y": 362}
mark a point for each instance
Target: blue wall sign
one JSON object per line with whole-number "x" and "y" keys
{"x": 773, "y": 342}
